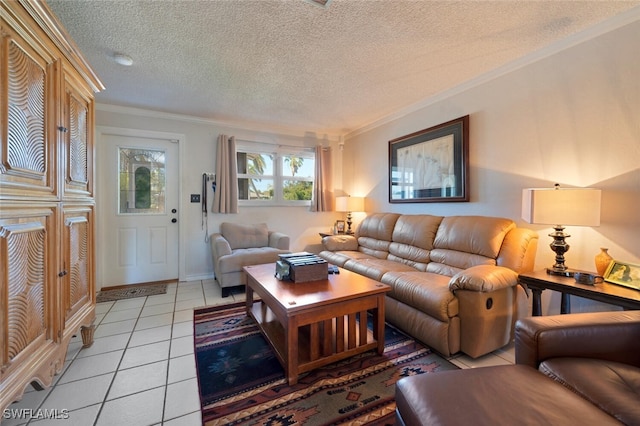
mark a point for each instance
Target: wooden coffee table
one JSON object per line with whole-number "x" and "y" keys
{"x": 312, "y": 324}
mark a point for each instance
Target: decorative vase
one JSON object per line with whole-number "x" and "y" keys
{"x": 602, "y": 261}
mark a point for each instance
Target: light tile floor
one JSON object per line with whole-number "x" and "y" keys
{"x": 140, "y": 369}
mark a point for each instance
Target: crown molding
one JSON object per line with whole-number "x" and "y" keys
{"x": 269, "y": 129}
{"x": 602, "y": 28}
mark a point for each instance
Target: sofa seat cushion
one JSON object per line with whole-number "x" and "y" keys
{"x": 424, "y": 291}
{"x": 375, "y": 268}
{"x": 339, "y": 258}
{"x": 498, "y": 395}
{"x": 248, "y": 256}
{"x": 613, "y": 387}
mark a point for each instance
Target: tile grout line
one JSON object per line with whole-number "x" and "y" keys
{"x": 104, "y": 400}
{"x": 115, "y": 373}
{"x": 166, "y": 381}
{"x": 64, "y": 371}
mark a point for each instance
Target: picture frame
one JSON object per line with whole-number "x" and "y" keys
{"x": 623, "y": 273}
{"x": 340, "y": 226}
{"x": 431, "y": 165}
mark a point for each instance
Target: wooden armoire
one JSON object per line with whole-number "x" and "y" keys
{"x": 47, "y": 208}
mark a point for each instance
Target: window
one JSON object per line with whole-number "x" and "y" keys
{"x": 275, "y": 175}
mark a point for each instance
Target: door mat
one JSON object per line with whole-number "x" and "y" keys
{"x": 241, "y": 381}
{"x": 130, "y": 292}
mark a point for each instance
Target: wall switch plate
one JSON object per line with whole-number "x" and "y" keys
{"x": 195, "y": 198}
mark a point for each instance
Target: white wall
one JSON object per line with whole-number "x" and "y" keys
{"x": 572, "y": 117}
{"x": 199, "y": 157}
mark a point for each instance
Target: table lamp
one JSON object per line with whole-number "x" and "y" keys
{"x": 565, "y": 206}
{"x": 349, "y": 204}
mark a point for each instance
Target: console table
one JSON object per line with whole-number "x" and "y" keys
{"x": 613, "y": 294}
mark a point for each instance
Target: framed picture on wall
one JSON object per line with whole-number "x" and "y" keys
{"x": 431, "y": 165}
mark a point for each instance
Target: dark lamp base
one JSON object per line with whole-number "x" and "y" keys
{"x": 562, "y": 273}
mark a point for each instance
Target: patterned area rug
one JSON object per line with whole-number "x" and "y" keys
{"x": 242, "y": 382}
{"x": 130, "y": 292}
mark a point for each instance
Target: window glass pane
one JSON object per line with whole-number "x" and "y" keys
{"x": 143, "y": 188}
{"x": 298, "y": 166}
{"x": 297, "y": 190}
{"x": 255, "y": 189}
{"x": 141, "y": 181}
{"x": 255, "y": 163}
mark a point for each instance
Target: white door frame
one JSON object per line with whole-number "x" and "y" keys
{"x": 136, "y": 133}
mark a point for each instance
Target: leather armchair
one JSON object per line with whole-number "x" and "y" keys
{"x": 570, "y": 370}
{"x": 595, "y": 355}
{"x": 607, "y": 336}
{"x": 239, "y": 245}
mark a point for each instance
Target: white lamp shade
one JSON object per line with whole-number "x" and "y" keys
{"x": 559, "y": 206}
{"x": 350, "y": 204}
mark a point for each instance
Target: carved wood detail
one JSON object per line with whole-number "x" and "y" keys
{"x": 26, "y": 149}
{"x": 78, "y": 170}
{"x": 25, "y": 254}
{"x": 77, "y": 286}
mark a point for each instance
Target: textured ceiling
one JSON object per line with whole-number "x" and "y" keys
{"x": 296, "y": 65}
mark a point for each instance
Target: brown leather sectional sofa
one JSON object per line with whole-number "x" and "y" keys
{"x": 578, "y": 369}
{"x": 453, "y": 279}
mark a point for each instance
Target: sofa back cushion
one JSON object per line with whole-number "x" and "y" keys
{"x": 412, "y": 239}
{"x": 245, "y": 236}
{"x": 465, "y": 241}
{"x": 374, "y": 234}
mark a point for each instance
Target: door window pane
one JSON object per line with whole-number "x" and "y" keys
{"x": 141, "y": 181}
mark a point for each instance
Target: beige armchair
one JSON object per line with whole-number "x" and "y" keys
{"x": 238, "y": 245}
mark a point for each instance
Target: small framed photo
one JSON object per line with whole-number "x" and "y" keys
{"x": 340, "y": 226}
{"x": 622, "y": 273}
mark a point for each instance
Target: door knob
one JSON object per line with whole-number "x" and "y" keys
{"x": 174, "y": 211}
{"x": 174, "y": 220}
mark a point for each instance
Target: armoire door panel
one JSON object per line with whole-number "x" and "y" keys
{"x": 28, "y": 299}
{"x": 78, "y": 286}
{"x": 77, "y": 134}
{"x": 27, "y": 157}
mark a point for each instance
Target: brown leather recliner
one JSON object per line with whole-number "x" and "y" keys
{"x": 570, "y": 369}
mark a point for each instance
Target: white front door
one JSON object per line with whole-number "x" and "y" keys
{"x": 138, "y": 189}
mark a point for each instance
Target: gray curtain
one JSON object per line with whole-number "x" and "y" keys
{"x": 322, "y": 195}
{"x": 225, "y": 198}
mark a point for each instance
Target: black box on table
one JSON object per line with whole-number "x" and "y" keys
{"x": 303, "y": 267}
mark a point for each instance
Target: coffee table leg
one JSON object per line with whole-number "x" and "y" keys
{"x": 291, "y": 350}
{"x": 249, "y": 294}
{"x": 378, "y": 325}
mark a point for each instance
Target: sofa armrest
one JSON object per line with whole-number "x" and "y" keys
{"x": 219, "y": 247}
{"x": 483, "y": 278}
{"x": 340, "y": 242}
{"x": 278, "y": 240}
{"x": 612, "y": 336}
